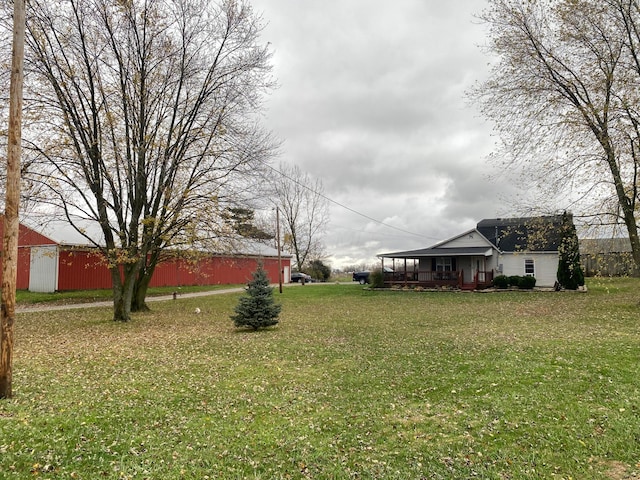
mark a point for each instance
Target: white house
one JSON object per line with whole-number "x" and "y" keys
{"x": 471, "y": 260}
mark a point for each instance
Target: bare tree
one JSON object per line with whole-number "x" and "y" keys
{"x": 11, "y": 222}
{"x": 304, "y": 210}
{"x": 145, "y": 123}
{"x": 564, "y": 95}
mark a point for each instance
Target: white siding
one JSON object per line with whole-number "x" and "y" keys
{"x": 469, "y": 239}
{"x": 43, "y": 271}
{"x": 492, "y": 263}
{"x": 545, "y": 264}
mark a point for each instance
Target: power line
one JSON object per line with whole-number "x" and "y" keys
{"x": 335, "y": 202}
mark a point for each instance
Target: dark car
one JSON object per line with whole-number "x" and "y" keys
{"x": 299, "y": 277}
{"x": 361, "y": 277}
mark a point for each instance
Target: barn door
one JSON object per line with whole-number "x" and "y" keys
{"x": 286, "y": 277}
{"x": 43, "y": 271}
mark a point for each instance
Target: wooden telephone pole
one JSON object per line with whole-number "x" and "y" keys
{"x": 279, "y": 255}
{"x": 12, "y": 201}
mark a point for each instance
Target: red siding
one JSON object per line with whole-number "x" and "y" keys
{"x": 26, "y": 238}
{"x": 212, "y": 271}
{"x": 82, "y": 270}
{"x": 86, "y": 270}
{"x": 24, "y": 264}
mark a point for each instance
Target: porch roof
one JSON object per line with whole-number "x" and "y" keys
{"x": 441, "y": 252}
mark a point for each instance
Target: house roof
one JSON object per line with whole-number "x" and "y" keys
{"x": 535, "y": 234}
{"x": 440, "y": 252}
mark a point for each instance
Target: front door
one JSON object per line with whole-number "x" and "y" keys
{"x": 471, "y": 267}
{"x": 481, "y": 269}
{"x": 467, "y": 267}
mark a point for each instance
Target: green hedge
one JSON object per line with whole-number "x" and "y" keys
{"x": 501, "y": 281}
{"x": 526, "y": 282}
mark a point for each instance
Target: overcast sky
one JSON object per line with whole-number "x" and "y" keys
{"x": 371, "y": 101}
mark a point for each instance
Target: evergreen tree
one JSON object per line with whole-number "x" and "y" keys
{"x": 257, "y": 309}
{"x": 320, "y": 271}
{"x": 570, "y": 275}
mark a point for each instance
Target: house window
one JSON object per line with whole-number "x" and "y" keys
{"x": 529, "y": 267}
{"x": 444, "y": 264}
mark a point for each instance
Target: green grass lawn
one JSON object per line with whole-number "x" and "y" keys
{"x": 351, "y": 384}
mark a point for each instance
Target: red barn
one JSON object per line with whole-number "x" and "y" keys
{"x": 47, "y": 263}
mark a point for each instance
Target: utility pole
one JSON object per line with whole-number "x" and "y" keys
{"x": 279, "y": 256}
{"x": 12, "y": 201}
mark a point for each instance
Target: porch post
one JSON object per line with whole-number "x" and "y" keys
{"x": 405, "y": 272}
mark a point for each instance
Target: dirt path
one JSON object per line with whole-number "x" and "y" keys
{"x": 160, "y": 298}
{"x": 109, "y": 303}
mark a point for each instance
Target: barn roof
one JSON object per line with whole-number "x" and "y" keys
{"x": 604, "y": 245}
{"x": 90, "y": 235}
{"x": 63, "y": 233}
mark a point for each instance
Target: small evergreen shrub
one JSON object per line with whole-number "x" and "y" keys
{"x": 570, "y": 274}
{"x": 524, "y": 282}
{"x": 376, "y": 278}
{"x": 501, "y": 281}
{"x": 257, "y": 309}
{"x": 319, "y": 271}
{"x": 527, "y": 282}
{"x": 514, "y": 281}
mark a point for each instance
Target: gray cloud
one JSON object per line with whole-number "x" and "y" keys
{"x": 371, "y": 101}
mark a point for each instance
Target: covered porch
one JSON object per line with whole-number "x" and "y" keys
{"x": 458, "y": 268}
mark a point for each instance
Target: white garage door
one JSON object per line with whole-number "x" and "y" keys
{"x": 43, "y": 271}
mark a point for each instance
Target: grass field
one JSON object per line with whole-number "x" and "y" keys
{"x": 351, "y": 384}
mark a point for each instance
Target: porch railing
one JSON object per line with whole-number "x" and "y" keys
{"x": 429, "y": 279}
{"x": 423, "y": 277}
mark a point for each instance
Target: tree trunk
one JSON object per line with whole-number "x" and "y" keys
{"x": 138, "y": 303}
{"x": 143, "y": 279}
{"x": 123, "y": 291}
{"x": 120, "y": 313}
{"x": 12, "y": 202}
{"x": 627, "y": 205}
{"x": 634, "y": 239}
